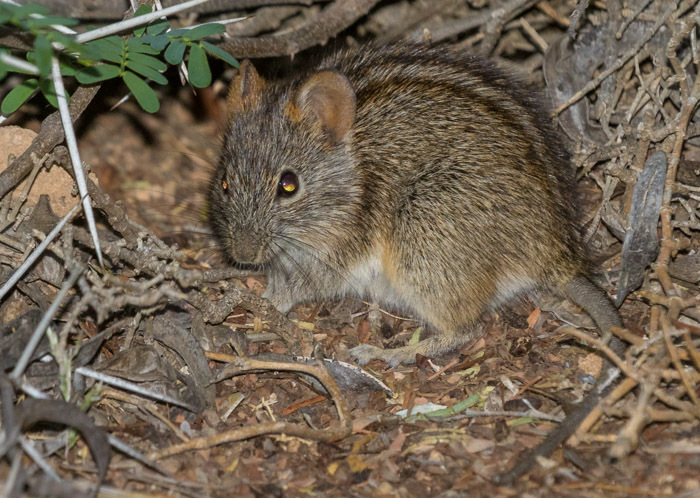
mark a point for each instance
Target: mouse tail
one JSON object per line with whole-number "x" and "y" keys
{"x": 596, "y": 303}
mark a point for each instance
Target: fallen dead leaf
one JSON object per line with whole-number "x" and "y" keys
{"x": 534, "y": 316}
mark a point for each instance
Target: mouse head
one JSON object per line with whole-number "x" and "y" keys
{"x": 286, "y": 184}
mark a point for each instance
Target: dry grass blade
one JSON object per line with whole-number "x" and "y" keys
{"x": 129, "y": 386}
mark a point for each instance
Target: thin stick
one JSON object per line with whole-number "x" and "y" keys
{"x": 72, "y": 144}
{"x": 241, "y": 365}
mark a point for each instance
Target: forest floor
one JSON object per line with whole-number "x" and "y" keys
{"x": 157, "y": 168}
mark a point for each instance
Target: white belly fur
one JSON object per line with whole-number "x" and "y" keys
{"x": 368, "y": 281}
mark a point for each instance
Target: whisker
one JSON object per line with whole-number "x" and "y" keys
{"x": 306, "y": 275}
{"x": 194, "y": 216}
{"x": 156, "y": 191}
{"x": 170, "y": 215}
{"x": 309, "y": 250}
{"x": 182, "y": 207}
{"x": 301, "y": 244}
{"x": 175, "y": 233}
{"x": 208, "y": 259}
{"x": 202, "y": 161}
{"x": 212, "y": 245}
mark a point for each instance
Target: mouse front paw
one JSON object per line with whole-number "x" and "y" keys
{"x": 364, "y": 353}
{"x": 281, "y": 301}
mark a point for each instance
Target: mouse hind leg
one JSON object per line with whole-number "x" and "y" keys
{"x": 441, "y": 343}
{"x": 429, "y": 289}
{"x": 454, "y": 323}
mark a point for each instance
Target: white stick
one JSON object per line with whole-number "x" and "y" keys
{"x": 136, "y": 21}
{"x": 72, "y": 144}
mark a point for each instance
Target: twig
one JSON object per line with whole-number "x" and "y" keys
{"x": 147, "y": 406}
{"x": 681, "y": 122}
{"x": 532, "y": 33}
{"x": 38, "y": 458}
{"x": 673, "y": 353}
{"x": 627, "y": 21}
{"x": 339, "y": 430}
{"x": 24, "y": 194}
{"x": 332, "y": 20}
{"x": 502, "y": 13}
{"x": 617, "y": 393}
{"x": 627, "y": 439}
{"x": 18, "y": 63}
{"x": 277, "y": 322}
{"x": 618, "y": 63}
{"x": 19, "y": 272}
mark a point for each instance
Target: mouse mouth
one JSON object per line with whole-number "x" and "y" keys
{"x": 247, "y": 265}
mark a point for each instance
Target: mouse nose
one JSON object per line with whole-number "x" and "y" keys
{"x": 247, "y": 249}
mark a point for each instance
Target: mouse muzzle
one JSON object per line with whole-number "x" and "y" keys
{"x": 247, "y": 249}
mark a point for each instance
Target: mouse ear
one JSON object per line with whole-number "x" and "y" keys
{"x": 245, "y": 90}
{"x": 331, "y": 99}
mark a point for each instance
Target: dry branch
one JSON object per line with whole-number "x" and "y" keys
{"x": 333, "y": 19}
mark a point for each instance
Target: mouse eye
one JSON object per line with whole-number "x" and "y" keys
{"x": 288, "y": 184}
{"x": 224, "y": 185}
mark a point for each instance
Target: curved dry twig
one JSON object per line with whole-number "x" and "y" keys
{"x": 238, "y": 366}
